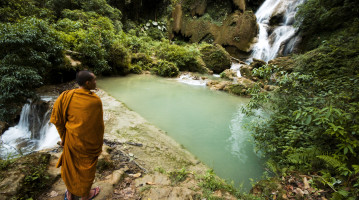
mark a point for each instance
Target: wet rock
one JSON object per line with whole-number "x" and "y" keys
{"x": 3, "y": 127}
{"x": 257, "y": 63}
{"x": 229, "y": 74}
{"x": 246, "y": 71}
{"x": 38, "y": 116}
{"x": 217, "y": 85}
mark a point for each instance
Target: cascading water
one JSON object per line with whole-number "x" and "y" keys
{"x": 270, "y": 42}
{"x": 32, "y": 133}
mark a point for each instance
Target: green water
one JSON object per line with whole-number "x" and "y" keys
{"x": 207, "y": 123}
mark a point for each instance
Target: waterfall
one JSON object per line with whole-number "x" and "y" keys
{"x": 33, "y": 132}
{"x": 282, "y": 38}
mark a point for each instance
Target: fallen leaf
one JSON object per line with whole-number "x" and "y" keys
{"x": 306, "y": 183}
{"x": 135, "y": 175}
{"x": 53, "y": 194}
{"x": 284, "y": 196}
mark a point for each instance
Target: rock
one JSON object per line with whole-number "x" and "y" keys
{"x": 240, "y": 88}
{"x": 246, "y": 71}
{"x": 229, "y": 74}
{"x": 257, "y": 63}
{"x": 241, "y": 4}
{"x": 177, "y": 18}
{"x": 216, "y": 58}
{"x": 38, "y": 115}
{"x": 3, "y": 127}
{"x": 238, "y": 29}
{"x": 282, "y": 63}
{"x": 217, "y": 85}
{"x": 198, "y": 7}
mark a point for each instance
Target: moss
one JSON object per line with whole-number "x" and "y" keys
{"x": 215, "y": 57}
{"x": 237, "y": 89}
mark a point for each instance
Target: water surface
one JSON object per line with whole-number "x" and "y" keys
{"x": 207, "y": 123}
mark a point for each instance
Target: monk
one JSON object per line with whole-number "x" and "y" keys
{"x": 78, "y": 117}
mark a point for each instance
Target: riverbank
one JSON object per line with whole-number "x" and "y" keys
{"x": 138, "y": 161}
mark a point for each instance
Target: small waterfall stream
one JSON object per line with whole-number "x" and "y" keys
{"x": 281, "y": 38}
{"x": 32, "y": 133}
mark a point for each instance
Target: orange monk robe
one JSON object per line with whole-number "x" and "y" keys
{"x": 82, "y": 129}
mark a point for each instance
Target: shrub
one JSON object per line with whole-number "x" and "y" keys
{"x": 314, "y": 114}
{"x": 119, "y": 58}
{"x": 165, "y": 68}
{"x": 30, "y": 51}
{"x": 186, "y": 58}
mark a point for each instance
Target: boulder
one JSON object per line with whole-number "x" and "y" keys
{"x": 3, "y": 127}
{"x": 246, "y": 71}
{"x": 257, "y": 63}
{"x": 240, "y": 88}
{"x": 217, "y": 85}
{"x": 229, "y": 74}
{"x": 216, "y": 58}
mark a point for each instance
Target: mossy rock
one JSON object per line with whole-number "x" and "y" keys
{"x": 229, "y": 74}
{"x": 216, "y": 58}
{"x": 257, "y": 63}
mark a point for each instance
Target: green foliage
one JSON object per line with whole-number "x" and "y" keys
{"x": 119, "y": 58}
{"x": 100, "y": 7}
{"x": 36, "y": 177}
{"x": 15, "y": 10}
{"x": 186, "y": 58}
{"x": 211, "y": 183}
{"x": 314, "y": 112}
{"x": 178, "y": 176}
{"x": 165, "y": 68}
{"x": 321, "y": 15}
{"x": 31, "y": 49}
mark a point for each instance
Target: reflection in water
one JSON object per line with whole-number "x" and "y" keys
{"x": 239, "y": 136}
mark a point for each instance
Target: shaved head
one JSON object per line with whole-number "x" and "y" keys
{"x": 83, "y": 76}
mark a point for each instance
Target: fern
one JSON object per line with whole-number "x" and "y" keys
{"x": 333, "y": 162}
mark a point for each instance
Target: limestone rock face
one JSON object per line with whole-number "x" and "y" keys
{"x": 238, "y": 29}
{"x": 216, "y": 58}
{"x": 193, "y": 20}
